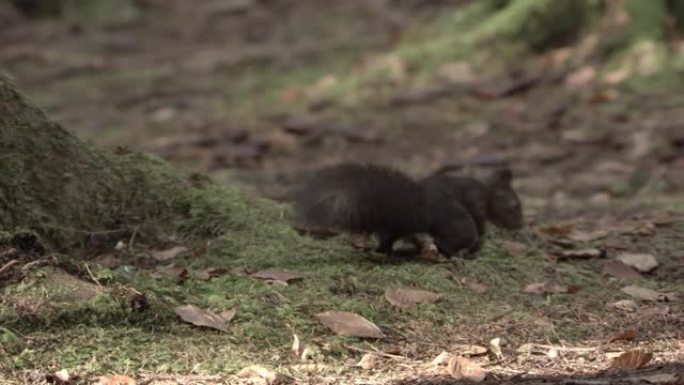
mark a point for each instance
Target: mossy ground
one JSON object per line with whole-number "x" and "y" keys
{"x": 227, "y": 228}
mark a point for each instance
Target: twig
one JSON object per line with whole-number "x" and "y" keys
{"x": 376, "y": 351}
{"x": 8, "y": 265}
{"x": 90, "y": 273}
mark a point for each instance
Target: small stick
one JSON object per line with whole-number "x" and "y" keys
{"x": 90, "y": 273}
{"x": 376, "y": 351}
{"x": 8, "y": 265}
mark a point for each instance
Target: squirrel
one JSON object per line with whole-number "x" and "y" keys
{"x": 380, "y": 200}
{"x": 491, "y": 199}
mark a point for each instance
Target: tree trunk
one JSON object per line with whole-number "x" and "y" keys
{"x": 67, "y": 191}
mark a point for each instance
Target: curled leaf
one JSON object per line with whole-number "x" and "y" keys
{"x": 405, "y": 298}
{"x": 198, "y": 317}
{"x": 349, "y": 324}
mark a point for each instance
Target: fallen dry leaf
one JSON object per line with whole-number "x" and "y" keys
{"x": 632, "y": 360}
{"x": 660, "y": 378}
{"x": 163, "y": 255}
{"x": 177, "y": 273}
{"x": 405, "y": 298}
{"x": 625, "y": 304}
{"x": 368, "y": 361}
{"x": 587, "y": 236}
{"x": 578, "y": 254}
{"x": 468, "y": 350}
{"x": 463, "y": 368}
{"x": 456, "y": 72}
{"x": 198, "y": 317}
{"x": 474, "y": 285}
{"x": 228, "y": 314}
{"x": 645, "y": 294}
{"x": 361, "y": 241}
{"x": 514, "y": 249}
{"x": 297, "y": 347}
{"x": 115, "y": 379}
{"x": 259, "y": 375}
{"x": 641, "y": 262}
{"x": 559, "y": 229}
{"x": 654, "y": 311}
{"x": 208, "y": 273}
{"x": 625, "y": 335}
{"x": 441, "y": 359}
{"x": 619, "y": 270}
{"x": 349, "y": 324}
{"x": 545, "y": 288}
{"x": 495, "y": 347}
{"x": 277, "y": 275}
{"x": 61, "y": 377}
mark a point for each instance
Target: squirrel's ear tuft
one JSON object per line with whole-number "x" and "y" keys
{"x": 502, "y": 176}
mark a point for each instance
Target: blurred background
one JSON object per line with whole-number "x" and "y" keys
{"x": 582, "y": 98}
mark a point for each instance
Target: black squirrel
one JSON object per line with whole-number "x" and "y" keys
{"x": 492, "y": 198}
{"x": 380, "y": 200}
{"x": 375, "y": 199}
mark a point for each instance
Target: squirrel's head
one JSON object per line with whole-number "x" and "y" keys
{"x": 504, "y": 208}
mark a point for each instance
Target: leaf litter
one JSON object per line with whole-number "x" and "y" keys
{"x": 349, "y": 324}
{"x": 206, "y": 318}
{"x": 642, "y": 262}
{"x": 406, "y": 298}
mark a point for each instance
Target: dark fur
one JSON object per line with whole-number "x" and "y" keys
{"x": 492, "y": 199}
{"x": 383, "y": 201}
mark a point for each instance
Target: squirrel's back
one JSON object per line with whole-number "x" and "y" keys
{"x": 361, "y": 198}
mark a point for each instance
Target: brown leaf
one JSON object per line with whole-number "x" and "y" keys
{"x": 208, "y": 273}
{"x": 514, "y": 249}
{"x": 177, "y": 273}
{"x": 641, "y": 262}
{"x": 645, "y": 294}
{"x": 368, "y": 361}
{"x": 559, "y": 229}
{"x": 164, "y": 255}
{"x": 228, "y": 314}
{"x": 115, "y": 379}
{"x": 625, "y": 304}
{"x": 654, "y": 311}
{"x": 632, "y": 360}
{"x": 405, "y": 298}
{"x": 579, "y": 254}
{"x": 277, "y": 275}
{"x": 545, "y": 288}
{"x": 456, "y": 72}
{"x": 474, "y": 285}
{"x": 625, "y": 335}
{"x": 361, "y": 241}
{"x": 349, "y": 324}
{"x": 259, "y": 375}
{"x": 469, "y": 350}
{"x": 463, "y": 368}
{"x": 619, "y": 270}
{"x": 587, "y": 236}
{"x": 198, "y": 317}
{"x": 441, "y": 359}
{"x": 662, "y": 378}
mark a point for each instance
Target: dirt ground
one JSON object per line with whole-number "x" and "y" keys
{"x": 231, "y": 91}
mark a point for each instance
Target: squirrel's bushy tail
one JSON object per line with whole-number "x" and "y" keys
{"x": 360, "y": 198}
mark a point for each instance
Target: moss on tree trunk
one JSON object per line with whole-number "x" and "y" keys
{"x": 67, "y": 191}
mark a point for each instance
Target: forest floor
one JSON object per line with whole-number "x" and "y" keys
{"x": 244, "y": 95}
